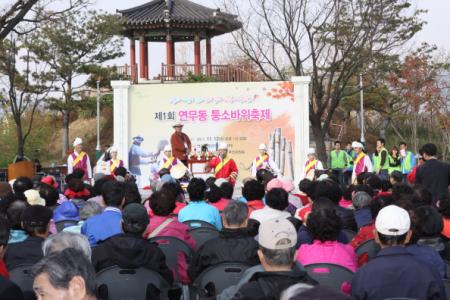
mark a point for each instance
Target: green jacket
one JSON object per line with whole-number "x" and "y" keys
{"x": 338, "y": 160}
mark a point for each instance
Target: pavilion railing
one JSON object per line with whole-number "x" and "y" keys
{"x": 221, "y": 73}
{"x": 129, "y": 72}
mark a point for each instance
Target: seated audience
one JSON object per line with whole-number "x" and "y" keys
{"x": 422, "y": 196}
{"x": 76, "y": 189}
{"x": 102, "y": 226}
{"x": 4, "y": 237}
{"x": 198, "y": 208}
{"x": 366, "y": 232}
{"x": 253, "y": 192}
{"x": 67, "y": 240}
{"x": 227, "y": 189}
{"x": 131, "y": 193}
{"x": 35, "y": 221}
{"x": 64, "y": 275}
{"x": 444, "y": 209}
{"x": 214, "y": 196}
{"x": 66, "y": 212}
{"x": 233, "y": 244}
{"x": 14, "y": 216}
{"x": 277, "y": 239}
{"x": 162, "y": 223}
{"x": 426, "y": 243}
{"x": 396, "y": 177}
{"x": 49, "y": 194}
{"x": 20, "y": 185}
{"x": 276, "y": 203}
{"x": 324, "y": 226}
{"x": 89, "y": 209}
{"x": 302, "y": 291}
{"x": 362, "y": 213}
{"x": 33, "y": 198}
{"x": 394, "y": 272}
{"x": 330, "y": 189}
{"x": 129, "y": 249}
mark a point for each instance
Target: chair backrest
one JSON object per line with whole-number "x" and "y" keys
{"x": 117, "y": 283}
{"x": 447, "y": 287}
{"x": 63, "y": 224}
{"x": 215, "y": 279}
{"x": 329, "y": 274}
{"x": 369, "y": 247}
{"x": 350, "y": 234}
{"x": 21, "y": 276}
{"x": 171, "y": 247}
{"x": 193, "y": 224}
{"x": 203, "y": 234}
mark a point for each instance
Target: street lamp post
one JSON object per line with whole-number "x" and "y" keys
{"x": 98, "y": 149}
{"x": 361, "y": 103}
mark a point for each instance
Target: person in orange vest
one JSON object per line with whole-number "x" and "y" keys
{"x": 224, "y": 166}
{"x": 79, "y": 159}
{"x": 114, "y": 162}
{"x": 362, "y": 162}
{"x": 312, "y": 164}
{"x": 264, "y": 161}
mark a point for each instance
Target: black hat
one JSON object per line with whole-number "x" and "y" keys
{"x": 135, "y": 213}
{"x": 37, "y": 215}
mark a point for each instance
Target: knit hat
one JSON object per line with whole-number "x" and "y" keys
{"x": 33, "y": 198}
{"x": 361, "y": 199}
{"x": 281, "y": 183}
{"x": 277, "y": 234}
{"x": 135, "y": 213}
{"x": 67, "y": 211}
{"x": 36, "y": 215}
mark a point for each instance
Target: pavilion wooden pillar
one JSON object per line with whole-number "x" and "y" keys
{"x": 170, "y": 56}
{"x": 142, "y": 55}
{"x": 133, "y": 72}
{"x": 197, "y": 57}
{"x": 208, "y": 57}
{"x": 146, "y": 60}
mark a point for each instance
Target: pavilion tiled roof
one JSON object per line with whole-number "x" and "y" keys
{"x": 178, "y": 12}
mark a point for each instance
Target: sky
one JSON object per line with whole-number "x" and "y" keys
{"x": 436, "y": 31}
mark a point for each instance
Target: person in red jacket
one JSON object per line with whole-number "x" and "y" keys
{"x": 224, "y": 166}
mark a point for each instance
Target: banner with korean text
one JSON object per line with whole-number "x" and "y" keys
{"x": 243, "y": 115}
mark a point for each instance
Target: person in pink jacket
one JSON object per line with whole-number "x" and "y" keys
{"x": 324, "y": 226}
{"x": 162, "y": 223}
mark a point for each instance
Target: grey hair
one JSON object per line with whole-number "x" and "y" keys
{"x": 361, "y": 199}
{"x": 279, "y": 257}
{"x": 89, "y": 209}
{"x": 65, "y": 240}
{"x": 62, "y": 267}
{"x": 295, "y": 290}
{"x": 235, "y": 213}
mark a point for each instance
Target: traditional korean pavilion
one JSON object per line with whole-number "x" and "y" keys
{"x": 172, "y": 21}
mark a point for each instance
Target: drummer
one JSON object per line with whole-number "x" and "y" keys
{"x": 167, "y": 160}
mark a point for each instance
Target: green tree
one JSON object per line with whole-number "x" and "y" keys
{"x": 72, "y": 46}
{"x": 22, "y": 91}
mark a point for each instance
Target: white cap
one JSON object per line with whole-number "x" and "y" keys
{"x": 77, "y": 141}
{"x": 311, "y": 151}
{"x": 223, "y": 146}
{"x": 34, "y": 198}
{"x": 277, "y": 234}
{"x": 262, "y": 147}
{"x": 167, "y": 148}
{"x": 356, "y": 144}
{"x": 393, "y": 220}
{"x": 113, "y": 149}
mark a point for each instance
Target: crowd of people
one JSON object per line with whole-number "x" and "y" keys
{"x": 68, "y": 234}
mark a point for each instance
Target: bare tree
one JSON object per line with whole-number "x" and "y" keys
{"x": 30, "y": 13}
{"x": 330, "y": 40}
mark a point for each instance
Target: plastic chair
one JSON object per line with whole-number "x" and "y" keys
{"x": 117, "y": 283}
{"x": 202, "y": 235}
{"x": 21, "y": 276}
{"x": 63, "y": 224}
{"x": 193, "y": 224}
{"x": 369, "y": 247}
{"x": 329, "y": 274}
{"x": 215, "y": 279}
{"x": 171, "y": 247}
{"x": 350, "y": 234}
